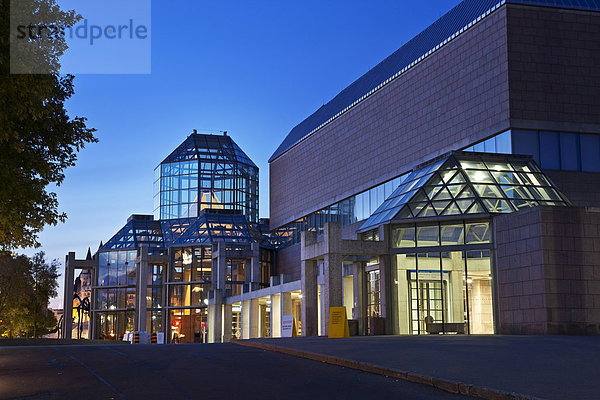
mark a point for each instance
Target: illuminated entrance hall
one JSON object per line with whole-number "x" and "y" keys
{"x": 441, "y": 239}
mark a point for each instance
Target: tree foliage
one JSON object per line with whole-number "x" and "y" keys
{"x": 26, "y": 286}
{"x": 38, "y": 139}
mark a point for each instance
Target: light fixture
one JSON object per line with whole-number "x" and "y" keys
{"x": 206, "y": 301}
{"x": 469, "y": 280}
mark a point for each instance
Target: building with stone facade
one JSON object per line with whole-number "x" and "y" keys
{"x": 452, "y": 189}
{"x": 515, "y": 77}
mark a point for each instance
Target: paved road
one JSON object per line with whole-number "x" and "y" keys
{"x": 548, "y": 367}
{"x": 217, "y": 371}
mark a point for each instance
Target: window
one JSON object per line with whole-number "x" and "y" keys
{"x": 526, "y": 142}
{"x": 590, "y": 152}
{"x": 569, "y": 152}
{"x": 428, "y": 235}
{"x": 549, "y": 150}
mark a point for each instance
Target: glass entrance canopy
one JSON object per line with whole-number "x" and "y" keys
{"x": 461, "y": 183}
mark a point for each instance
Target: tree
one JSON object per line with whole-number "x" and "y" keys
{"x": 44, "y": 283}
{"x": 13, "y": 281}
{"x": 30, "y": 283}
{"x": 26, "y": 286}
{"x": 38, "y": 139}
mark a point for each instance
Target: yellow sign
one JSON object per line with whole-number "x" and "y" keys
{"x": 338, "y": 323}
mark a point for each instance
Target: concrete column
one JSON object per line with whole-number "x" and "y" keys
{"x": 359, "y": 311}
{"x": 211, "y": 326}
{"x": 286, "y": 303}
{"x": 308, "y": 276}
{"x": 332, "y": 295}
{"x": 227, "y": 321}
{"x": 219, "y": 269}
{"x": 141, "y": 289}
{"x": 385, "y": 287}
{"x": 246, "y": 314}
{"x": 285, "y": 307}
{"x": 219, "y": 266}
{"x": 68, "y": 296}
{"x": 217, "y": 321}
{"x": 276, "y": 303}
{"x": 255, "y": 267}
{"x": 254, "y": 318}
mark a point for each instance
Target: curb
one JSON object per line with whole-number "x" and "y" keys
{"x": 442, "y": 384}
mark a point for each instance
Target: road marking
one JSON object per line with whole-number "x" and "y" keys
{"x": 101, "y": 379}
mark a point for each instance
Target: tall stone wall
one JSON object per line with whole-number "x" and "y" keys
{"x": 548, "y": 271}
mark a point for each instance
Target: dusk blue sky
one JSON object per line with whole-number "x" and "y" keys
{"x": 252, "y": 68}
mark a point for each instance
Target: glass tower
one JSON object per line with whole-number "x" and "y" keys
{"x": 206, "y": 172}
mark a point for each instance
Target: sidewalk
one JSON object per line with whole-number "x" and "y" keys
{"x": 492, "y": 367}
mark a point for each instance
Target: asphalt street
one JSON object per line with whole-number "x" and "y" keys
{"x": 187, "y": 371}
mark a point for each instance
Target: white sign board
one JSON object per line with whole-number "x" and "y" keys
{"x": 287, "y": 326}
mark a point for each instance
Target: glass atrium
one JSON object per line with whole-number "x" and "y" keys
{"x": 206, "y": 172}
{"x": 441, "y": 241}
{"x": 206, "y": 192}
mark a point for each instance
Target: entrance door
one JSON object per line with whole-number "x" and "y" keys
{"x": 428, "y": 298}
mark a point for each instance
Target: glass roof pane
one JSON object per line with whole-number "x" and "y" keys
{"x": 466, "y": 193}
{"x": 506, "y": 177}
{"x": 476, "y": 208}
{"x": 524, "y": 166}
{"x": 458, "y": 178}
{"x": 455, "y": 189}
{"x": 479, "y": 176}
{"x": 427, "y": 211}
{"x": 465, "y": 204}
{"x": 547, "y": 194}
{"x": 417, "y": 207}
{"x": 490, "y": 183}
{"x": 443, "y": 194}
{"x": 448, "y": 175}
{"x": 472, "y": 164}
{"x": 432, "y": 191}
{"x": 518, "y": 204}
{"x": 436, "y": 180}
{"x": 498, "y": 165}
{"x": 420, "y": 196}
{"x": 440, "y": 205}
{"x": 497, "y": 205}
{"x": 452, "y": 209}
{"x": 405, "y": 213}
{"x": 488, "y": 191}
{"x": 516, "y": 192}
